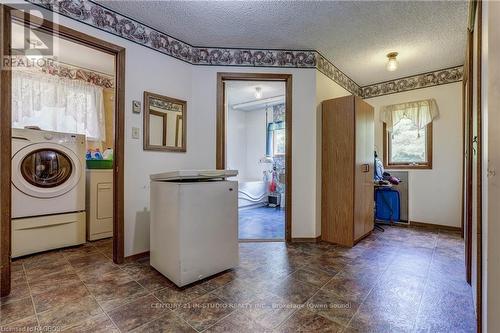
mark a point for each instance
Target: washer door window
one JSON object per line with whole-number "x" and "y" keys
{"x": 45, "y": 170}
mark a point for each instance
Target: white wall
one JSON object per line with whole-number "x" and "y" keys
{"x": 246, "y": 142}
{"x": 434, "y": 195}
{"x": 236, "y": 142}
{"x": 325, "y": 89}
{"x": 147, "y": 70}
{"x": 256, "y": 133}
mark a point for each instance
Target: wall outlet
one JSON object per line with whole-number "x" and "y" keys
{"x": 136, "y": 132}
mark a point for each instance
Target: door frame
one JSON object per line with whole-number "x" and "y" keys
{"x": 8, "y": 14}
{"x": 222, "y": 77}
{"x": 475, "y": 14}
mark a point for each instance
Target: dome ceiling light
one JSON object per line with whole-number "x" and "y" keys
{"x": 392, "y": 63}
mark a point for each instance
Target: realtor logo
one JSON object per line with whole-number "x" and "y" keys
{"x": 30, "y": 42}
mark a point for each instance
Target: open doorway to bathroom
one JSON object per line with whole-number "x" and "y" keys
{"x": 62, "y": 95}
{"x": 256, "y": 143}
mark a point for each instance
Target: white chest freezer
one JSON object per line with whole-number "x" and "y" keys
{"x": 194, "y": 224}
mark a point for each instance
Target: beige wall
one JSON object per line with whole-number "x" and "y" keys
{"x": 434, "y": 195}
{"x": 325, "y": 89}
{"x": 491, "y": 162}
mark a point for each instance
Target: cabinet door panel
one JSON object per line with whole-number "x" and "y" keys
{"x": 104, "y": 200}
{"x": 363, "y": 214}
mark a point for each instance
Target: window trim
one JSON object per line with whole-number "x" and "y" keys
{"x": 419, "y": 166}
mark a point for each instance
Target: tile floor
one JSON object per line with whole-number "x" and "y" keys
{"x": 261, "y": 223}
{"x": 402, "y": 280}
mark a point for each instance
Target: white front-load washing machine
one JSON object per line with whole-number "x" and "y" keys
{"x": 48, "y": 190}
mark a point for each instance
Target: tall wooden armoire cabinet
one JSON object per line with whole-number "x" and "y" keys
{"x": 347, "y": 170}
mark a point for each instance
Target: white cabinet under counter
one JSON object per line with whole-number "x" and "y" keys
{"x": 99, "y": 203}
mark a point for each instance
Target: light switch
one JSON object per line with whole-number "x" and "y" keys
{"x": 136, "y": 132}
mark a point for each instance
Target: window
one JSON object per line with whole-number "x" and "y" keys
{"x": 408, "y": 134}
{"x": 57, "y": 104}
{"x": 275, "y": 139}
{"x": 407, "y": 147}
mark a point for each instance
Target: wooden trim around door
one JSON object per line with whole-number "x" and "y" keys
{"x": 5, "y": 153}
{"x": 479, "y": 168}
{"x": 221, "y": 130}
{"x": 10, "y": 14}
{"x": 468, "y": 161}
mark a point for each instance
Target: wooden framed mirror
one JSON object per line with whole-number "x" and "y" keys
{"x": 164, "y": 123}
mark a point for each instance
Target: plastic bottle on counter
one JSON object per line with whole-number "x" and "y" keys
{"x": 108, "y": 154}
{"x": 88, "y": 155}
{"x": 97, "y": 155}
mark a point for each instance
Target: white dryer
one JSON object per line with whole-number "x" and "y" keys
{"x": 48, "y": 190}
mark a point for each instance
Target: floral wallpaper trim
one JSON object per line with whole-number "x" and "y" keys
{"x": 326, "y": 67}
{"x": 435, "y": 78}
{"x": 102, "y": 18}
{"x": 52, "y": 67}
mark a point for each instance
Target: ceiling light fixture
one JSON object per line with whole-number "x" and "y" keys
{"x": 392, "y": 63}
{"x": 258, "y": 93}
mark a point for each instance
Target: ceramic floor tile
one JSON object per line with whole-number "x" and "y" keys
{"x": 236, "y": 292}
{"x": 63, "y": 316}
{"x": 174, "y": 297}
{"x": 60, "y": 296}
{"x": 387, "y": 277}
{"x": 28, "y": 324}
{"x": 154, "y": 281}
{"x": 306, "y": 321}
{"x": 269, "y": 310}
{"x": 292, "y": 290}
{"x": 141, "y": 311}
{"x": 98, "y": 324}
{"x": 317, "y": 278}
{"x": 88, "y": 260}
{"x": 19, "y": 290}
{"x": 16, "y": 310}
{"x": 167, "y": 323}
{"x": 237, "y": 322}
{"x": 114, "y": 289}
{"x": 53, "y": 281}
{"x": 218, "y": 280}
{"x": 349, "y": 287}
{"x": 333, "y": 307}
{"x": 204, "y": 311}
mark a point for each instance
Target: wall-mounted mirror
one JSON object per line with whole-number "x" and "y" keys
{"x": 164, "y": 123}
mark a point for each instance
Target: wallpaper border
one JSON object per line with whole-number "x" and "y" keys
{"x": 419, "y": 81}
{"x": 108, "y": 20}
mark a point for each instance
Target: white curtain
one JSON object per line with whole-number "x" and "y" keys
{"x": 57, "y": 104}
{"x": 420, "y": 113}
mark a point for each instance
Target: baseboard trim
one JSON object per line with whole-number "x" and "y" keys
{"x": 257, "y": 240}
{"x": 137, "y": 256}
{"x": 434, "y": 226}
{"x": 306, "y": 239}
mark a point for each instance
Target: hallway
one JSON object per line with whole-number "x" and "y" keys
{"x": 401, "y": 280}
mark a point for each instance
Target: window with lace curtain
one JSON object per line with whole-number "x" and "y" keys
{"x": 57, "y": 104}
{"x": 408, "y": 134}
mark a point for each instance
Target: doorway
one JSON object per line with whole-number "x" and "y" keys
{"x": 254, "y": 137}
{"x": 42, "y": 40}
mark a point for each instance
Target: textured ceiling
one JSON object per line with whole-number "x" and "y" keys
{"x": 244, "y": 91}
{"x": 354, "y": 35}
